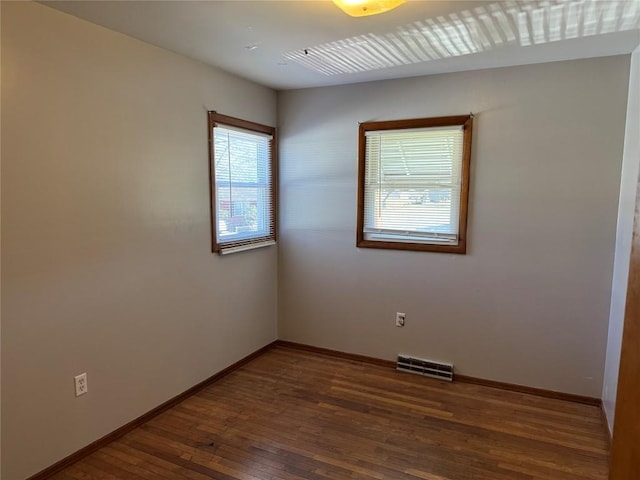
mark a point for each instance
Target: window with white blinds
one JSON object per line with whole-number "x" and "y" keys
{"x": 242, "y": 166}
{"x": 413, "y": 184}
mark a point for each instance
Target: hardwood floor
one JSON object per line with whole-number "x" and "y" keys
{"x": 297, "y": 415}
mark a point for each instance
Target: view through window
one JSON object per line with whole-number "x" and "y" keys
{"x": 243, "y": 193}
{"x": 413, "y": 184}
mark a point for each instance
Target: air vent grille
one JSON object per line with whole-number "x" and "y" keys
{"x": 428, "y": 368}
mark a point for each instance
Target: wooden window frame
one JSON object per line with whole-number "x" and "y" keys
{"x": 466, "y": 121}
{"x": 214, "y": 119}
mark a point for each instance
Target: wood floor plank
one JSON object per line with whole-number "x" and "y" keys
{"x": 296, "y": 415}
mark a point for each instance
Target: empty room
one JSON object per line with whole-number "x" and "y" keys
{"x": 320, "y": 240}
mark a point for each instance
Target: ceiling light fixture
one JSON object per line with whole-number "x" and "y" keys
{"x": 362, "y": 8}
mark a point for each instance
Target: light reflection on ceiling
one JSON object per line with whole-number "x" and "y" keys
{"x": 510, "y": 22}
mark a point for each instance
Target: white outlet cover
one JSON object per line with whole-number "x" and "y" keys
{"x": 81, "y": 384}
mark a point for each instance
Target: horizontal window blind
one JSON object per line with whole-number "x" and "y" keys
{"x": 412, "y": 185}
{"x": 244, "y": 188}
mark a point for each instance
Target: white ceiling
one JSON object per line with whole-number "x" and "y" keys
{"x": 265, "y": 41}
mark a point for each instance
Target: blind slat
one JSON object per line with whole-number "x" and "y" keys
{"x": 243, "y": 188}
{"x": 412, "y": 184}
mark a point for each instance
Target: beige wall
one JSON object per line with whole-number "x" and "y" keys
{"x": 529, "y": 303}
{"x": 106, "y": 263}
{"x": 624, "y": 232}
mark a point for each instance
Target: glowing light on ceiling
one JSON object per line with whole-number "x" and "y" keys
{"x": 362, "y": 8}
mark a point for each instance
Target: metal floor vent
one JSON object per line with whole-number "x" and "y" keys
{"x": 428, "y": 368}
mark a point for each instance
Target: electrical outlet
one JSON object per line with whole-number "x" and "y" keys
{"x": 400, "y": 319}
{"x": 81, "y": 384}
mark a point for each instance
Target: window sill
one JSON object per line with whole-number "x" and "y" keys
{"x": 244, "y": 248}
{"x": 460, "y": 248}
